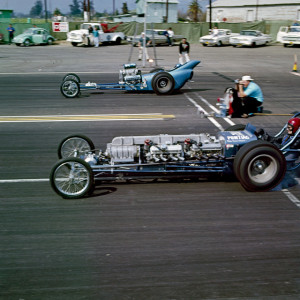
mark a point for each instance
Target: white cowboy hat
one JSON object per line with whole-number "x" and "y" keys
{"x": 247, "y": 78}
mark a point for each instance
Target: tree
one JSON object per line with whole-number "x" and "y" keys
{"x": 125, "y": 8}
{"x": 92, "y": 7}
{"x": 84, "y": 4}
{"x": 37, "y": 9}
{"x": 194, "y": 9}
{"x": 75, "y": 8}
{"x": 57, "y": 12}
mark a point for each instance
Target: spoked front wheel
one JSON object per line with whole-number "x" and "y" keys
{"x": 75, "y": 146}
{"x": 70, "y": 88}
{"x": 72, "y": 178}
{"x": 72, "y": 76}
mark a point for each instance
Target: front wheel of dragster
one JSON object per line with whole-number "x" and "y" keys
{"x": 75, "y": 146}
{"x": 163, "y": 83}
{"x": 72, "y": 178}
{"x": 72, "y": 76}
{"x": 70, "y": 88}
{"x": 259, "y": 166}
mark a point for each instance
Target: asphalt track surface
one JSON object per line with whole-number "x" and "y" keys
{"x": 140, "y": 240}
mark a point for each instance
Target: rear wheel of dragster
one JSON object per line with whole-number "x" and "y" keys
{"x": 75, "y": 146}
{"x": 72, "y": 178}
{"x": 72, "y": 76}
{"x": 163, "y": 83}
{"x": 259, "y": 166}
{"x": 70, "y": 88}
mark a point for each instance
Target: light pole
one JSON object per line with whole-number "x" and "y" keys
{"x": 167, "y": 11}
{"x": 210, "y": 13}
{"x": 86, "y": 10}
{"x": 256, "y": 10}
{"x": 46, "y": 13}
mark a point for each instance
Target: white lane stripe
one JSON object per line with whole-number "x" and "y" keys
{"x": 87, "y": 120}
{"x": 292, "y": 197}
{"x": 295, "y": 73}
{"x": 211, "y": 119}
{"x": 215, "y": 109}
{"x": 97, "y": 115}
{"x": 23, "y": 180}
{"x": 53, "y": 73}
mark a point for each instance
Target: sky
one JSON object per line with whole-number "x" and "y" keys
{"x": 24, "y": 6}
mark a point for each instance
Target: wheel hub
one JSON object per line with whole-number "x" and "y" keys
{"x": 163, "y": 84}
{"x": 259, "y": 166}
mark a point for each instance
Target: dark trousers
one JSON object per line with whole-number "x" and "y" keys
{"x": 169, "y": 39}
{"x": 10, "y": 37}
{"x": 244, "y": 105}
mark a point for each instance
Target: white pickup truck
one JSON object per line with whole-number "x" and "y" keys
{"x": 82, "y": 36}
{"x": 289, "y": 35}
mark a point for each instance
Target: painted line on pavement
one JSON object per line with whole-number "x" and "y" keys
{"x": 295, "y": 73}
{"x": 214, "y": 109}
{"x": 23, "y": 180}
{"x": 200, "y": 108}
{"x": 292, "y": 197}
{"x": 70, "y": 118}
{"x": 43, "y": 89}
{"x": 53, "y": 73}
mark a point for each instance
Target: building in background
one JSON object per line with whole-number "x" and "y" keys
{"x": 156, "y": 12}
{"x": 254, "y": 10}
{"x": 5, "y": 15}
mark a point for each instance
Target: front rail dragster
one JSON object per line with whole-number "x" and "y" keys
{"x": 257, "y": 164}
{"x": 131, "y": 79}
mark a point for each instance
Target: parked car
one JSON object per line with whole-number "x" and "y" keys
{"x": 34, "y": 36}
{"x": 250, "y": 38}
{"x": 158, "y": 35}
{"x": 289, "y": 35}
{"x": 81, "y": 36}
{"x": 222, "y": 38}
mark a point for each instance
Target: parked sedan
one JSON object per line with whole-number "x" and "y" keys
{"x": 34, "y": 36}
{"x": 219, "y": 39}
{"x": 250, "y": 38}
{"x": 157, "y": 34}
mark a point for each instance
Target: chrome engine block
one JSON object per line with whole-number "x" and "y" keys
{"x": 162, "y": 148}
{"x": 130, "y": 74}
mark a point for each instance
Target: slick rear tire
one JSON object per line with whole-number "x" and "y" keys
{"x": 259, "y": 166}
{"x": 163, "y": 83}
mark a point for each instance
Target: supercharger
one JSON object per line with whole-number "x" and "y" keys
{"x": 130, "y": 74}
{"x": 162, "y": 148}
